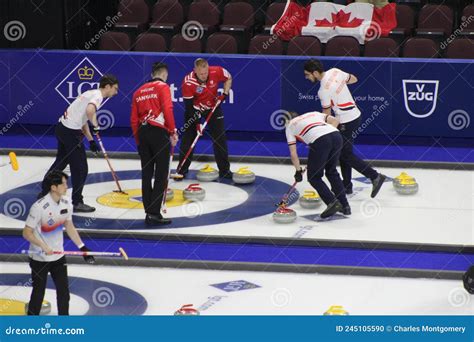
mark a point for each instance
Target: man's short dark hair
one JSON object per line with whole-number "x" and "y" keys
{"x": 157, "y": 67}
{"x": 54, "y": 177}
{"x": 313, "y": 65}
{"x": 108, "y": 79}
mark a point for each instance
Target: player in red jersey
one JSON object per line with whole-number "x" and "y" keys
{"x": 153, "y": 126}
{"x": 199, "y": 90}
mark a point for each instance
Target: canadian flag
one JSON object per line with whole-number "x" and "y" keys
{"x": 325, "y": 20}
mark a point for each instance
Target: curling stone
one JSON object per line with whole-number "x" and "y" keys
{"x": 243, "y": 176}
{"x": 407, "y": 187}
{"x": 45, "y": 308}
{"x": 284, "y": 215}
{"x": 169, "y": 194}
{"x": 194, "y": 193}
{"x": 336, "y": 310}
{"x": 207, "y": 174}
{"x": 401, "y": 177}
{"x": 310, "y": 200}
{"x": 187, "y": 310}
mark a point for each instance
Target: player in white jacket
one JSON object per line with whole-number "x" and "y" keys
{"x": 319, "y": 132}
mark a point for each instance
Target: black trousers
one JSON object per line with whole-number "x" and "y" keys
{"x": 154, "y": 150}
{"x": 348, "y": 159}
{"x": 217, "y": 132}
{"x": 71, "y": 151}
{"x": 39, "y": 275}
{"x": 323, "y": 157}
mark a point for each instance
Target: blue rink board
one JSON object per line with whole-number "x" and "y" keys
{"x": 271, "y": 254}
{"x": 257, "y": 146}
{"x": 397, "y": 96}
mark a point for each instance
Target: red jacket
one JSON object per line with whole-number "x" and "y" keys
{"x": 204, "y": 94}
{"x": 152, "y": 104}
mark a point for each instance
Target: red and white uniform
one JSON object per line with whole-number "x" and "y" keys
{"x": 47, "y": 219}
{"x": 308, "y": 128}
{"x": 335, "y": 94}
{"x": 152, "y": 104}
{"x": 204, "y": 94}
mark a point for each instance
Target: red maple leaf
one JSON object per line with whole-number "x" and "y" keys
{"x": 327, "y": 23}
{"x": 339, "y": 19}
{"x": 343, "y": 20}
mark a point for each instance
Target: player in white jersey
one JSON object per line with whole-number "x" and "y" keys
{"x": 70, "y": 131}
{"x": 319, "y": 132}
{"x": 44, "y": 230}
{"x": 334, "y": 94}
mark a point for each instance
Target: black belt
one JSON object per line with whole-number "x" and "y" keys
{"x": 346, "y": 109}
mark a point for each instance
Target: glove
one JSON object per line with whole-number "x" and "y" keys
{"x": 222, "y": 97}
{"x": 88, "y": 258}
{"x": 299, "y": 176}
{"x": 95, "y": 130}
{"x": 93, "y": 147}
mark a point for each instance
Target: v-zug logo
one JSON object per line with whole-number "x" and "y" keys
{"x": 83, "y": 77}
{"x": 420, "y": 97}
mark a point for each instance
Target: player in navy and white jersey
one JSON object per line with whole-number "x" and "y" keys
{"x": 336, "y": 96}
{"x": 70, "y": 132}
{"x": 319, "y": 132}
{"x": 44, "y": 230}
